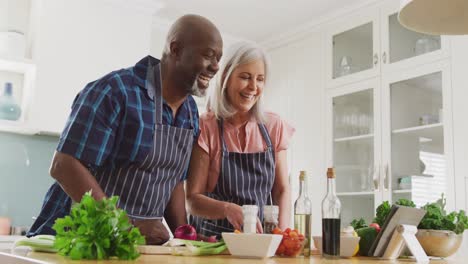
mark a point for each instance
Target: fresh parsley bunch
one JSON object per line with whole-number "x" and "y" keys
{"x": 97, "y": 230}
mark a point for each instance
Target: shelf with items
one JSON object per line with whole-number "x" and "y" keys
{"x": 372, "y": 42}
{"x": 354, "y": 138}
{"x": 416, "y": 102}
{"x": 17, "y": 86}
{"x": 402, "y": 191}
{"x": 18, "y": 23}
{"x": 353, "y": 116}
{"x": 355, "y": 193}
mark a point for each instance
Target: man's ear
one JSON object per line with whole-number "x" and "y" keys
{"x": 175, "y": 49}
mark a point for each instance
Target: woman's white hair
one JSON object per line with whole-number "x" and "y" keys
{"x": 237, "y": 54}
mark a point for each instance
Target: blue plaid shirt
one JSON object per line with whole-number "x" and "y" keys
{"x": 111, "y": 122}
{"x": 112, "y": 119}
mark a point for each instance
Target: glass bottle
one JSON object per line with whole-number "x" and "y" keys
{"x": 331, "y": 219}
{"x": 270, "y": 218}
{"x": 9, "y": 109}
{"x": 303, "y": 213}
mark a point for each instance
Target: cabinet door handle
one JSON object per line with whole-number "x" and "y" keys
{"x": 384, "y": 57}
{"x": 375, "y": 178}
{"x": 386, "y": 178}
{"x": 376, "y": 59}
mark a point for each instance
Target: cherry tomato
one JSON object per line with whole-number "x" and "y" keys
{"x": 376, "y": 226}
{"x": 277, "y": 231}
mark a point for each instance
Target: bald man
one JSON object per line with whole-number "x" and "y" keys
{"x": 130, "y": 133}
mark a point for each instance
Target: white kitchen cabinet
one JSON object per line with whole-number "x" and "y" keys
{"x": 389, "y": 138}
{"x": 353, "y": 122}
{"x": 371, "y": 42}
{"x": 352, "y": 48}
{"x": 417, "y": 134}
{"x": 389, "y": 112}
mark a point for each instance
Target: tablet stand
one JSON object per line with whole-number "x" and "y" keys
{"x": 405, "y": 235}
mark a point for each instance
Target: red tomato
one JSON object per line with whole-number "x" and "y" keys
{"x": 280, "y": 250}
{"x": 277, "y": 231}
{"x": 293, "y": 234}
{"x": 301, "y": 237}
{"x": 287, "y": 230}
{"x": 376, "y": 226}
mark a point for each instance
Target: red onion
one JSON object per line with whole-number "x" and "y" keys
{"x": 211, "y": 239}
{"x": 187, "y": 232}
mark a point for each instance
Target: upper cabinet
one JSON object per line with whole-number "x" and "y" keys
{"x": 389, "y": 109}
{"x": 362, "y": 46}
{"x": 17, "y": 67}
{"x": 353, "y": 48}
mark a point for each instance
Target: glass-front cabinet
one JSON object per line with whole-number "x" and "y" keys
{"x": 354, "y": 125}
{"x": 417, "y": 152}
{"x": 389, "y": 112}
{"x": 353, "y": 48}
{"x": 387, "y": 139}
{"x": 402, "y": 48}
{"x": 362, "y": 46}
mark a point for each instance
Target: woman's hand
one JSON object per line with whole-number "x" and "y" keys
{"x": 233, "y": 214}
{"x": 259, "y": 226}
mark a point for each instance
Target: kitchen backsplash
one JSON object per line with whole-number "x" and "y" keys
{"x": 24, "y": 175}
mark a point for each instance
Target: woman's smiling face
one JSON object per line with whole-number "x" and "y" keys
{"x": 245, "y": 85}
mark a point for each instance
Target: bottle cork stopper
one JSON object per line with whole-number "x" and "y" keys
{"x": 330, "y": 173}
{"x": 302, "y": 175}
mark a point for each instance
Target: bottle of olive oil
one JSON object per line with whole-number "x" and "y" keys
{"x": 303, "y": 213}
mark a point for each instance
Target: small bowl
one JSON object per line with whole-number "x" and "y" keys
{"x": 348, "y": 245}
{"x": 439, "y": 243}
{"x": 252, "y": 245}
{"x": 291, "y": 247}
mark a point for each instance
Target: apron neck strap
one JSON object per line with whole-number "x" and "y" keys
{"x": 261, "y": 126}
{"x": 153, "y": 81}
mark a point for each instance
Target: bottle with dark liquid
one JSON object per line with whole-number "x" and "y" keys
{"x": 303, "y": 213}
{"x": 331, "y": 219}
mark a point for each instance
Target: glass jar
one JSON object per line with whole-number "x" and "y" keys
{"x": 270, "y": 218}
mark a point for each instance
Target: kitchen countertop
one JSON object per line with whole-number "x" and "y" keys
{"x": 227, "y": 259}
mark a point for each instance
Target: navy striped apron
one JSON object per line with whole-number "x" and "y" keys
{"x": 145, "y": 188}
{"x": 245, "y": 178}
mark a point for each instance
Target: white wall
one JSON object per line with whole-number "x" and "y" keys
{"x": 296, "y": 91}
{"x": 79, "y": 41}
{"x": 459, "y": 51}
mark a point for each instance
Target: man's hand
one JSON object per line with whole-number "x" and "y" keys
{"x": 153, "y": 230}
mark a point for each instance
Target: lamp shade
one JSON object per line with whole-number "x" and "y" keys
{"x": 435, "y": 17}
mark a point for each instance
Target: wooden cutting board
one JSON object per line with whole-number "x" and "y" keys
{"x": 154, "y": 250}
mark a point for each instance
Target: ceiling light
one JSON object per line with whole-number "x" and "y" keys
{"x": 435, "y": 17}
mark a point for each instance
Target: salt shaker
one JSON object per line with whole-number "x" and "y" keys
{"x": 250, "y": 213}
{"x": 270, "y": 218}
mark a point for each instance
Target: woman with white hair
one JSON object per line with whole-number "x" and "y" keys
{"x": 240, "y": 157}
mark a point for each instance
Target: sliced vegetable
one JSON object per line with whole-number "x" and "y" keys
{"x": 197, "y": 248}
{"x": 41, "y": 243}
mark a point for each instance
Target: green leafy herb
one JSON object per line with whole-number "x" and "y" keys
{"x": 384, "y": 209}
{"x": 437, "y": 218}
{"x": 382, "y": 212}
{"x": 97, "y": 230}
{"x": 356, "y": 224}
{"x": 406, "y": 202}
